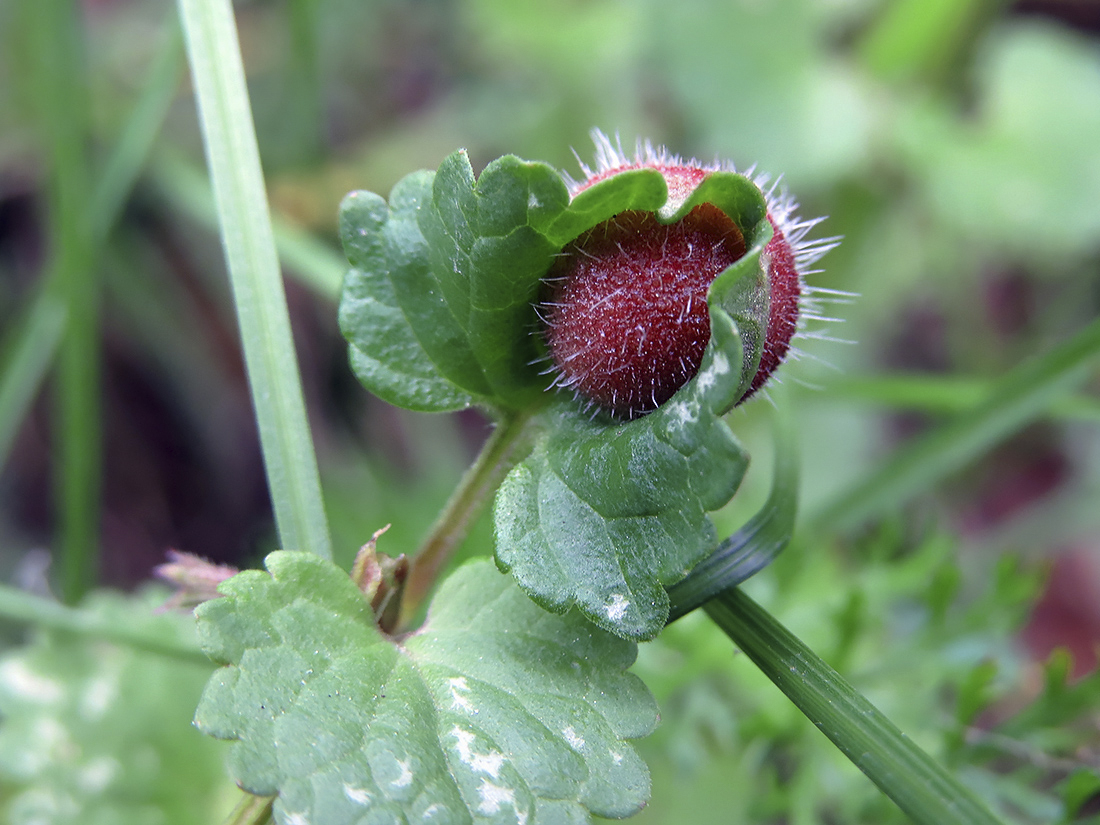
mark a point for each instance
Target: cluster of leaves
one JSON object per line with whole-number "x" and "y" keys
{"x": 439, "y": 314}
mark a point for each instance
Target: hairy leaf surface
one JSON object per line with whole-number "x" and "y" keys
{"x": 495, "y": 711}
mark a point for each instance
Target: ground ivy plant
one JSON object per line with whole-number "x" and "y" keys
{"x": 510, "y": 702}
{"x": 439, "y": 313}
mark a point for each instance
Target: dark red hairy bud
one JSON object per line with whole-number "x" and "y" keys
{"x": 625, "y": 312}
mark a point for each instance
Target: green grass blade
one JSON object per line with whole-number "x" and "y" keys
{"x": 20, "y": 606}
{"x": 754, "y": 546}
{"x": 131, "y": 150}
{"x": 1021, "y": 396}
{"x": 28, "y": 353}
{"x": 234, "y": 161}
{"x": 64, "y": 321}
{"x": 945, "y": 394}
{"x": 921, "y": 788}
{"x": 56, "y": 83}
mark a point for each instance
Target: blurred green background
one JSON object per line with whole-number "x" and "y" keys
{"x": 955, "y": 144}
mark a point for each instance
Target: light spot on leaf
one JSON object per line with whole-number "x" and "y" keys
{"x": 616, "y": 757}
{"x": 617, "y": 607}
{"x": 719, "y": 366}
{"x": 297, "y": 819}
{"x": 458, "y": 686}
{"x": 406, "y": 777}
{"x": 357, "y": 795}
{"x": 575, "y": 742}
{"x": 489, "y": 763}
{"x": 533, "y": 202}
{"x": 495, "y": 797}
{"x": 684, "y": 413}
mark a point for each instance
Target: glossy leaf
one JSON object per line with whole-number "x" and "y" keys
{"x": 495, "y": 711}
{"x": 404, "y": 343}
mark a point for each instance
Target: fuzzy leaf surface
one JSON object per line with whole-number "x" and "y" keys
{"x": 495, "y": 711}
{"x": 98, "y": 733}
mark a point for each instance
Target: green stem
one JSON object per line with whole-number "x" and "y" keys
{"x": 503, "y": 449}
{"x": 19, "y": 606}
{"x": 921, "y": 788}
{"x": 274, "y": 379}
{"x": 57, "y": 82}
{"x": 252, "y": 810}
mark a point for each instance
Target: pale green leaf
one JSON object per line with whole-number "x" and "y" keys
{"x": 495, "y": 711}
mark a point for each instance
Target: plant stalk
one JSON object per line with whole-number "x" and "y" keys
{"x": 504, "y": 448}
{"x": 21, "y": 606}
{"x": 924, "y": 790}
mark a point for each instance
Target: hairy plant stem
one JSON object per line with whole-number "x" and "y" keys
{"x": 504, "y": 448}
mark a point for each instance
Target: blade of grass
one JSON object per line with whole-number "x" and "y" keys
{"x": 940, "y": 394}
{"x": 30, "y": 349}
{"x": 303, "y": 95}
{"x": 23, "y": 607}
{"x": 924, "y": 790}
{"x": 754, "y": 546}
{"x": 131, "y": 150}
{"x": 28, "y": 354}
{"x": 56, "y": 82}
{"x": 1020, "y": 397}
{"x": 234, "y": 162}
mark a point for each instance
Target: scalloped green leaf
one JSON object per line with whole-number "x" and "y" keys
{"x": 603, "y": 515}
{"x": 495, "y": 711}
{"x": 404, "y": 344}
{"x": 97, "y": 733}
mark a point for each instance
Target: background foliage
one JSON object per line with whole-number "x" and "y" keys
{"x": 953, "y": 144}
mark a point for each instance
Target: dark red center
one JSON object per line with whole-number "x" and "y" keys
{"x": 626, "y": 315}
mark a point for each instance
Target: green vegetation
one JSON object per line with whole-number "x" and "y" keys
{"x": 911, "y": 519}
